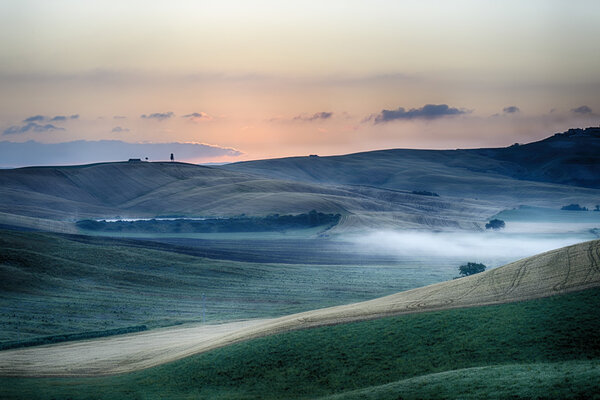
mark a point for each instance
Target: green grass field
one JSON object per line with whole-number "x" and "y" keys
{"x": 57, "y": 285}
{"x": 540, "y": 349}
{"x": 557, "y": 380}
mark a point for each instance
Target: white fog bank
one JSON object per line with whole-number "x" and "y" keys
{"x": 477, "y": 246}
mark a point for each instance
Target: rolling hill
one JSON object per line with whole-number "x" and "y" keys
{"x": 52, "y": 285}
{"x": 534, "y": 174}
{"x": 373, "y": 190}
{"x": 570, "y": 269}
{"x": 538, "y": 349}
{"x": 379, "y": 189}
{"x": 33, "y": 196}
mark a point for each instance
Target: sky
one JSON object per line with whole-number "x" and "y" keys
{"x": 266, "y": 79}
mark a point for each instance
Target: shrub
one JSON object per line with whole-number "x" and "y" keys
{"x": 471, "y": 268}
{"x": 495, "y": 224}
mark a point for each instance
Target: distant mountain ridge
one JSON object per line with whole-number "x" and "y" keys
{"x": 568, "y": 158}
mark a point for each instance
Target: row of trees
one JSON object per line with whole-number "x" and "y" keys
{"x": 577, "y": 207}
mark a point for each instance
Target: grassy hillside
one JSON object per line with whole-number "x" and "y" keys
{"x": 569, "y": 269}
{"x": 556, "y": 336}
{"x": 532, "y": 174}
{"x": 554, "y": 380}
{"x": 376, "y": 189}
{"x": 52, "y": 284}
{"x": 571, "y": 158}
{"x": 153, "y": 189}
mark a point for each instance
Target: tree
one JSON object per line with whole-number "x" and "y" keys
{"x": 471, "y": 268}
{"x": 597, "y": 207}
{"x": 172, "y": 157}
{"x": 574, "y": 207}
{"x": 313, "y": 218}
{"x": 495, "y": 224}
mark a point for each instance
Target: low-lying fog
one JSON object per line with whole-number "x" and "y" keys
{"x": 492, "y": 248}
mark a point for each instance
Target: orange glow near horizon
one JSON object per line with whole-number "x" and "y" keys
{"x": 276, "y": 79}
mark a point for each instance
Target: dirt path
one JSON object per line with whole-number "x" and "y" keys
{"x": 558, "y": 271}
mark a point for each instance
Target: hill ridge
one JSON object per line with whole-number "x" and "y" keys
{"x": 568, "y": 158}
{"x": 374, "y": 190}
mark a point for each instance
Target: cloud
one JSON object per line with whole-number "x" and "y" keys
{"x": 511, "y": 109}
{"x": 35, "y": 118}
{"x": 118, "y": 129}
{"x": 198, "y": 117}
{"x": 56, "y": 118}
{"x": 18, "y": 154}
{"x": 316, "y": 116}
{"x": 582, "y": 110}
{"x": 428, "y": 111}
{"x": 31, "y": 127}
{"x": 158, "y": 116}
{"x": 119, "y": 117}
